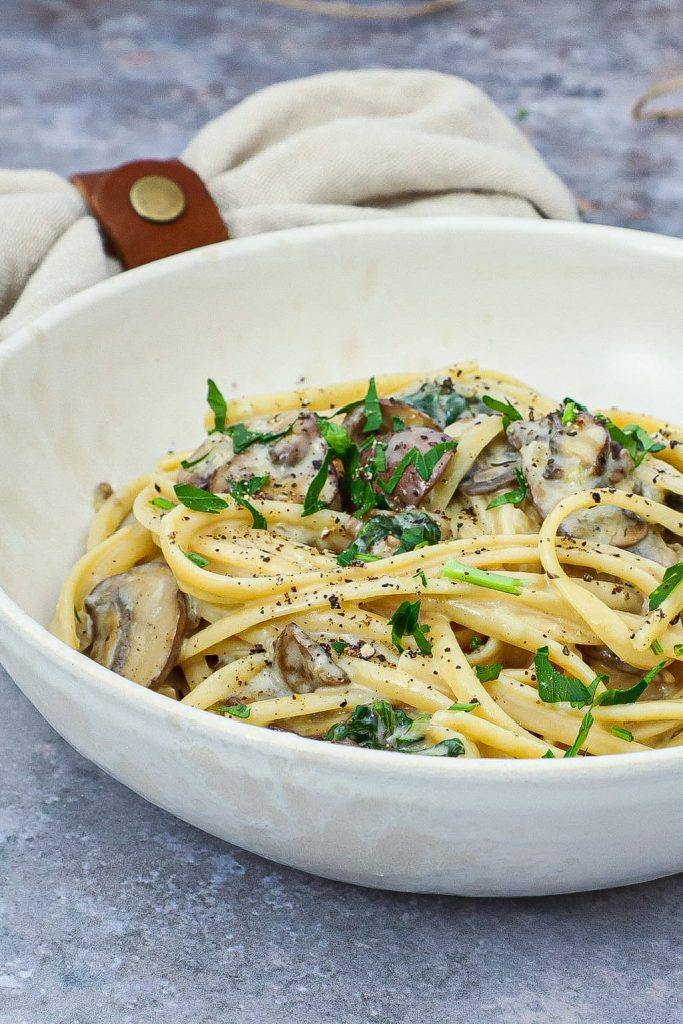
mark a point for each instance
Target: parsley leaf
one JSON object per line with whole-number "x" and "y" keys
{"x": 236, "y": 710}
{"x": 623, "y": 734}
{"x": 413, "y": 528}
{"x": 372, "y": 409}
{"x": 197, "y": 559}
{"x": 164, "y": 503}
{"x": 312, "y": 503}
{"x": 462, "y": 573}
{"x": 424, "y": 462}
{"x": 464, "y": 707}
{"x": 631, "y": 694}
{"x": 510, "y": 414}
{"x": 515, "y": 497}
{"x": 554, "y": 687}
{"x": 218, "y": 406}
{"x": 405, "y": 622}
{"x": 570, "y": 408}
{"x": 239, "y": 489}
{"x": 582, "y": 735}
{"x": 189, "y": 463}
{"x": 673, "y": 577}
{"x": 634, "y": 438}
{"x": 339, "y": 646}
{"x": 242, "y": 437}
{"x": 487, "y": 673}
{"x": 198, "y": 499}
{"x": 334, "y": 435}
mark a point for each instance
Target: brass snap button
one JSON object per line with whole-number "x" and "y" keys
{"x": 157, "y": 198}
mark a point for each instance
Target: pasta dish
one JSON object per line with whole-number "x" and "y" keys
{"x": 445, "y": 566}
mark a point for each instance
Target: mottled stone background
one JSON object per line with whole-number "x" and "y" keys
{"x": 112, "y": 911}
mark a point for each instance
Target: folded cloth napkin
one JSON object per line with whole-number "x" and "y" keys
{"x": 333, "y": 147}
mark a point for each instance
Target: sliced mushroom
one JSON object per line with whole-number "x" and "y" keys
{"x": 291, "y": 462}
{"x": 137, "y": 620}
{"x": 203, "y": 463}
{"x": 305, "y": 665}
{"x": 493, "y": 470}
{"x": 560, "y": 459}
{"x": 392, "y": 409}
{"x": 411, "y": 488}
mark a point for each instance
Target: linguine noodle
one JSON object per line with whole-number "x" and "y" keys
{"x": 447, "y": 566}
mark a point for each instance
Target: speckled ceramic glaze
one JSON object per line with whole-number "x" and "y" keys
{"x": 101, "y": 386}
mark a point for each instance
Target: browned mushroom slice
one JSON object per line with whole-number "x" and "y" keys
{"x": 203, "y": 464}
{"x": 393, "y": 409}
{"x": 290, "y": 463}
{"x": 305, "y": 665}
{"x": 137, "y": 621}
{"x": 560, "y": 459}
{"x": 411, "y": 488}
{"x": 493, "y": 470}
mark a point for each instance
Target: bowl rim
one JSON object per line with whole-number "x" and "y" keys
{"x": 26, "y": 630}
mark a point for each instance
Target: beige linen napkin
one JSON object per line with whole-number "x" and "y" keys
{"x": 334, "y": 147}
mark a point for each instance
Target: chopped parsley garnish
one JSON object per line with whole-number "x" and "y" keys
{"x": 582, "y": 735}
{"x": 218, "y": 406}
{"x": 487, "y": 673}
{"x": 554, "y": 687}
{"x": 656, "y": 647}
{"x": 622, "y": 734}
{"x": 334, "y": 435}
{"x": 515, "y": 497}
{"x": 462, "y": 573}
{"x": 372, "y": 409}
{"x": 312, "y": 504}
{"x": 236, "y": 710}
{"x": 475, "y": 643}
{"x": 510, "y": 414}
{"x": 414, "y": 529}
{"x": 424, "y": 462}
{"x": 439, "y": 401}
{"x": 339, "y": 646}
{"x": 242, "y": 437}
{"x": 198, "y": 499}
{"x": 422, "y": 577}
{"x": 570, "y": 409}
{"x": 631, "y": 694}
{"x": 189, "y": 463}
{"x": 673, "y": 576}
{"x": 634, "y": 438}
{"x": 405, "y": 622}
{"x": 197, "y": 559}
{"x": 678, "y": 650}
{"x": 464, "y": 707}
{"x": 548, "y": 753}
{"x": 239, "y": 489}
{"x": 164, "y": 503}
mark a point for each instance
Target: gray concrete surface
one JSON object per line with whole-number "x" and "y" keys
{"x": 111, "y": 910}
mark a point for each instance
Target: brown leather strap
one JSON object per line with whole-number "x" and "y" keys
{"x": 149, "y": 209}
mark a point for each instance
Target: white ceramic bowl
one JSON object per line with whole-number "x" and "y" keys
{"x": 102, "y": 385}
